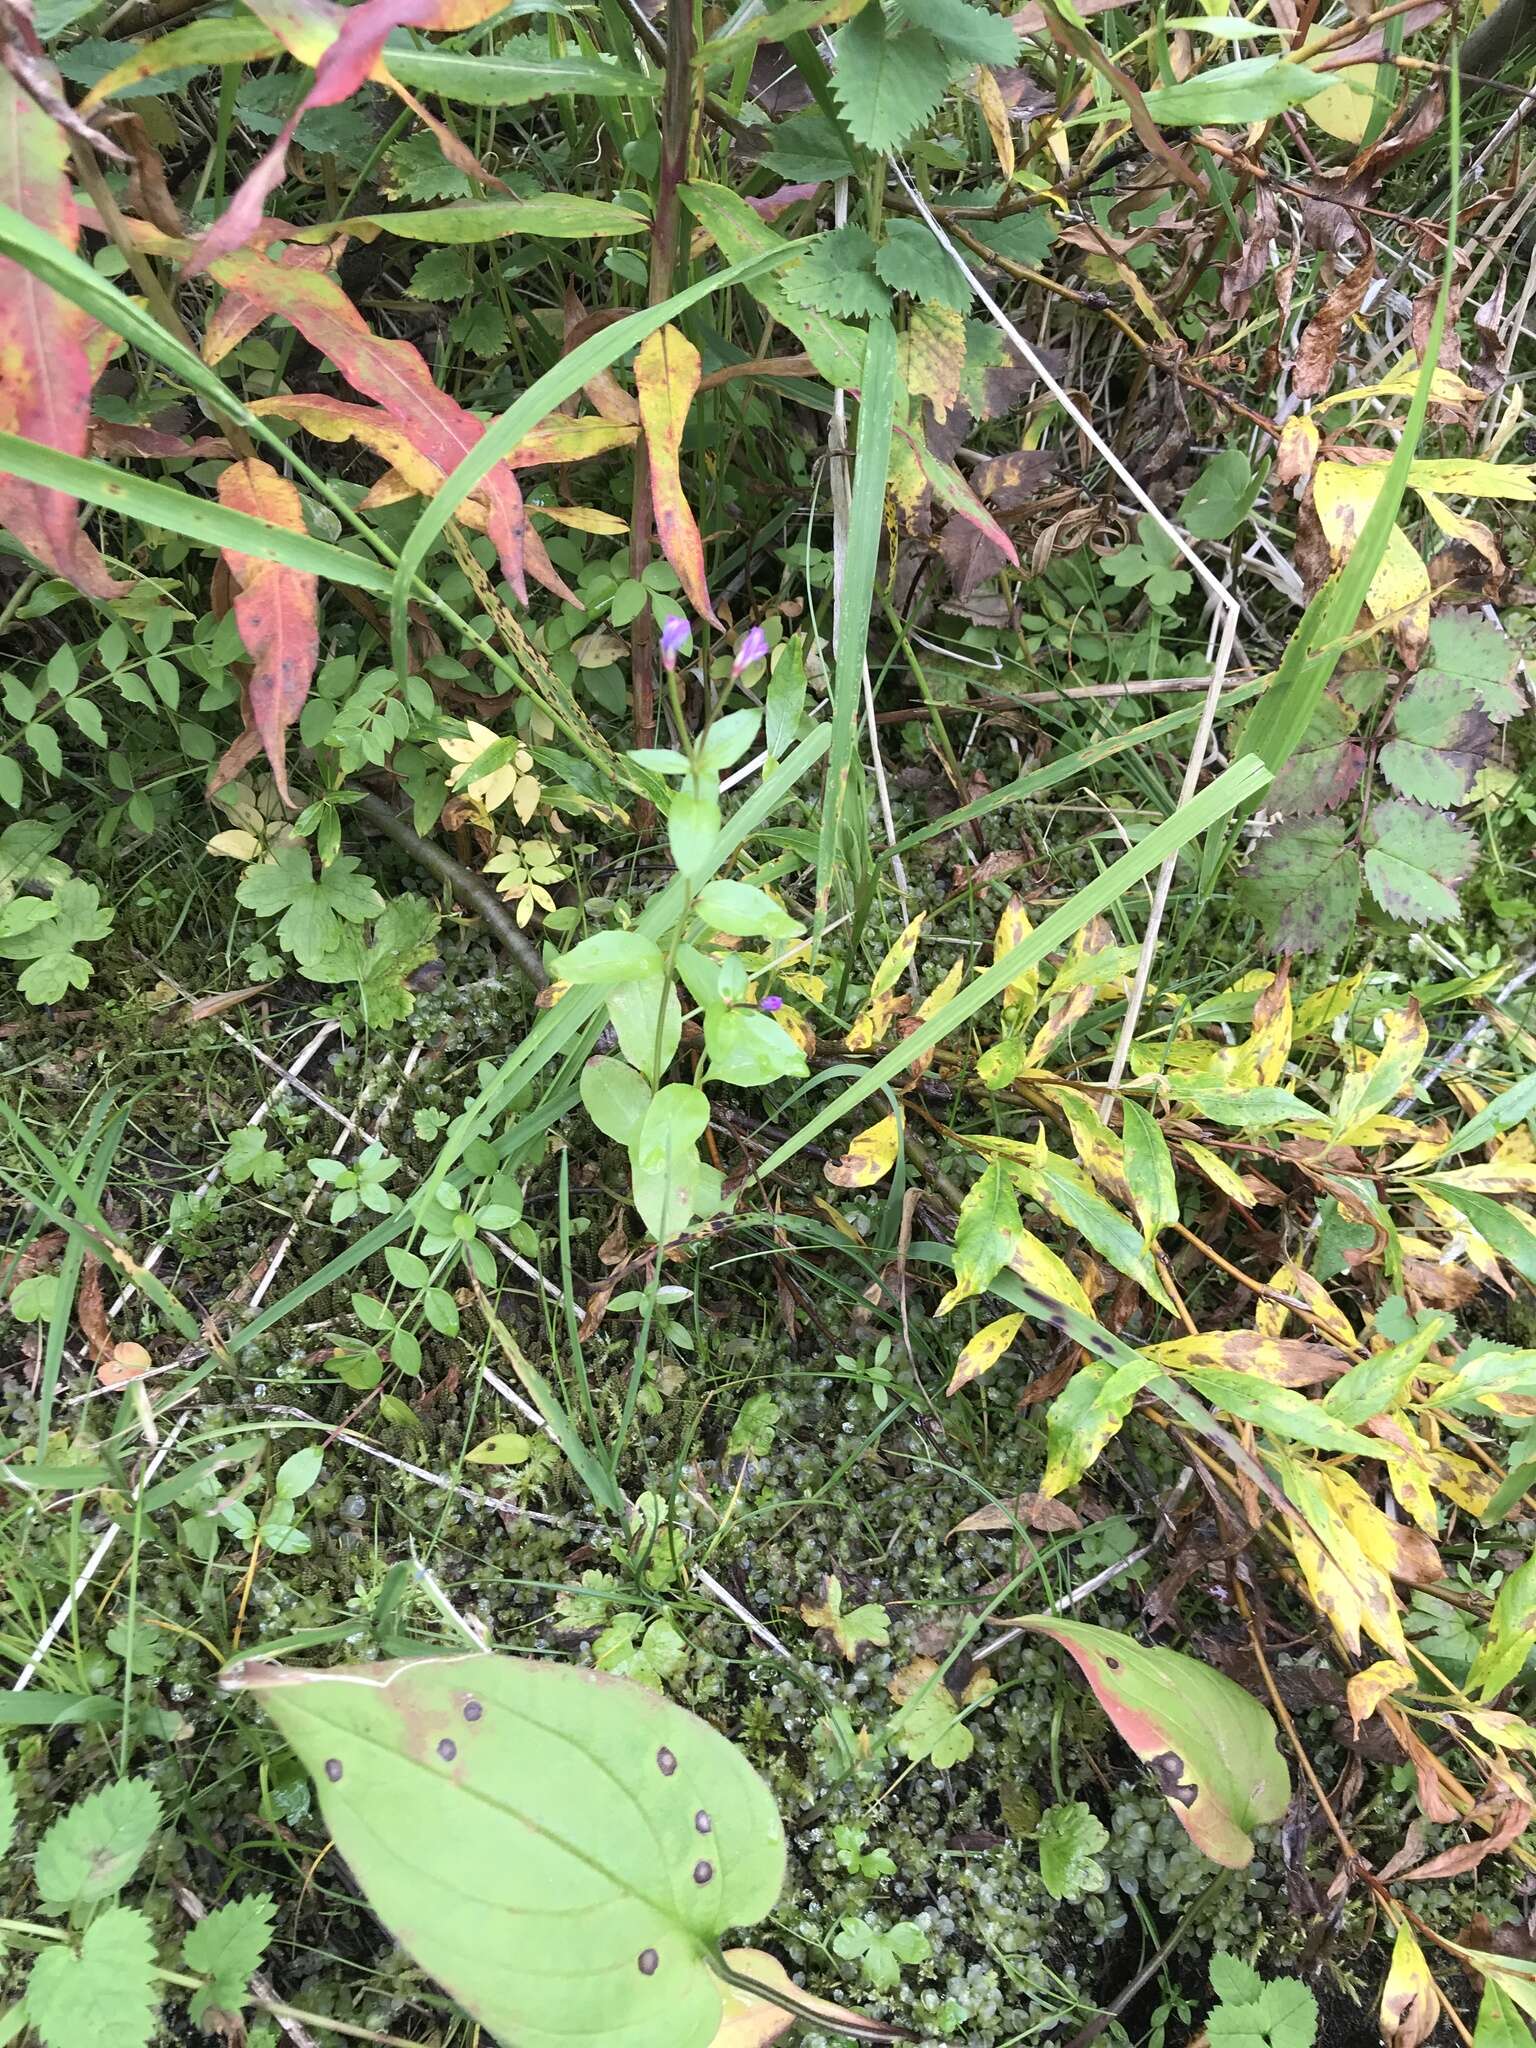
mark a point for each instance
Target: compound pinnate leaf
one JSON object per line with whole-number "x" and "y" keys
{"x": 90, "y": 1853}
{"x": 101, "y": 1997}
{"x": 1303, "y": 884}
{"x": 888, "y": 80}
{"x": 970, "y": 35}
{"x": 910, "y": 260}
{"x": 560, "y": 1849}
{"x": 1210, "y": 1745}
{"x": 1477, "y": 651}
{"x": 1415, "y": 857}
{"x": 275, "y": 609}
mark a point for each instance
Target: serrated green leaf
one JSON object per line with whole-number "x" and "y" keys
{"x": 910, "y": 260}
{"x": 614, "y": 1836}
{"x": 1414, "y": 858}
{"x": 1324, "y": 769}
{"x": 91, "y": 1851}
{"x": 969, "y": 35}
{"x": 837, "y": 275}
{"x": 227, "y": 1947}
{"x": 887, "y": 80}
{"x": 1234, "y": 1981}
{"x": 102, "y": 1997}
{"x": 1476, "y": 650}
{"x": 1021, "y": 237}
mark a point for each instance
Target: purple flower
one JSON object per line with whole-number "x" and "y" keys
{"x": 675, "y": 635}
{"x": 771, "y": 1003}
{"x": 753, "y": 648}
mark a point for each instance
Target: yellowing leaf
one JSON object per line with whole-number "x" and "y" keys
{"x": 1445, "y": 387}
{"x": 1271, "y": 1317}
{"x": 1465, "y": 477}
{"x": 1040, "y": 1268}
{"x": 1346, "y": 1587}
{"x": 1344, "y": 108}
{"x": 937, "y": 998}
{"x": 1381, "y": 1077}
{"x": 748, "y": 2022}
{"x": 1218, "y": 1173}
{"x": 514, "y": 779}
{"x": 1086, "y": 1415}
{"x": 1023, "y": 992}
{"x": 1367, "y": 1689}
{"x": 1458, "y": 526}
{"x": 666, "y": 378}
{"x": 1097, "y": 1147}
{"x": 1401, "y": 1552}
{"x": 1342, "y": 496}
{"x": 984, "y": 1350}
{"x": 1410, "y": 2004}
{"x": 869, "y": 1157}
{"x": 989, "y": 98}
{"x": 987, "y": 1231}
{"x": 1283, "y": 1361}
{"x": 1300, "y": 439}
{"x": 875, "y": 1019}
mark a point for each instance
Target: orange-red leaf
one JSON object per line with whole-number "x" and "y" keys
{"x": 274, "y": 609}
{"x": 666, "y": 377}
{"x": 345, "y": 45}
{"x": 45, "y": 374}
{"x": 394, "y": 375}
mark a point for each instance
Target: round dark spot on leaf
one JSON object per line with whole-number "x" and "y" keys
{"x": 1113, "y": 1663}
{"x": 648, "y": 1960}
{"x": 333, "y": 1769}
{"x": 666, "y": 1762}
{"x": 702, "y": 1822}
{"x": 447, "y": 1750}
{"x": 1169, "y": 1769}
{"x": 473, "y": 1710}
{"x": 703, "y": 1872}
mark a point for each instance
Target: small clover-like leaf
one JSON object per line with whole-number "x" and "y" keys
{"x": 1070, "y": 1838}
{"x": 850, "y": 1630}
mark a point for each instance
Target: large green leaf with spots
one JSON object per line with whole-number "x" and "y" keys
{"x": 1210, "y": 1745}
{"x": 559, "y": 1848}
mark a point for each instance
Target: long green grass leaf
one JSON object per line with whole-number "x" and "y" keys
{"x": 866, "y": 522}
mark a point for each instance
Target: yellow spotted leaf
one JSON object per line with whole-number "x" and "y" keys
{"x": 1368, "y": 1688}
{"x": 1300, "y": 439}
{"x": 1023, "y": 992}
{"x": 1048, "y": 1274}
{"x": 1098, "y": 1147}
{"x": 937, "y": 998}
{"x": 666, "y": 378}
{"x": 899, "y": 958}
{"x": 1382, "y": 1077}
{"x": 869, "y": 1157}
{"x": 984, "y": 1350}
{"x": 1317, "y": 1012}
{"x": 1465, "y": 477}
{"x": 1218, "y": 1173}
{"x": 1283, "y": 1361}
{"x": 1401, "y": 1552}
{"x": 884, "y": 1006}
{"x": 1343, "y": 494}
{"x": 989, "y": 98}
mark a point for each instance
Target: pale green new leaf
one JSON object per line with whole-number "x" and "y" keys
{"x": 609, "y": 1836}
{"x": 1070, "y": 1838}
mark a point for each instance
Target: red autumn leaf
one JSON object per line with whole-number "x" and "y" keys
{"x": 45, "y": 371}
{"x": 345, "y": 45}
{"x": 394, "y": 375}
{"x": 666, "y": 377}
{"x": 275, "y": 611}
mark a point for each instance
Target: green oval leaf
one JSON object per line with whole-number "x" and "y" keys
{"x": 559, "y": 1848}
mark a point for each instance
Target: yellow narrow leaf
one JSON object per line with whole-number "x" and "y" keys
{"x": 869, "y": 1157}
{"x": 1271, "y": 1317}
{"x": 666, "y": 378}
{"x": 1317, "y": 1012}
{"x": 1458, "y": 526}
{"x": 1394, "y": 1548}
{"x": 899, "y": 958}
{"x": 984, "y": 1350}
{"x": 1023, "y": 992}
{"x": 1466, "y": 477}
{"x": 1041, "y": 1268}
{"x": 1098, "y": 1147}
{"x": 989, "y": 98}
{"x": 1410, "y": 2004}
{"x": 937, "y": 998}
{"x": 1382, "y": 1077}
{"x": 1218, "y": 1173}
{"x": 748, "y": 2022}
